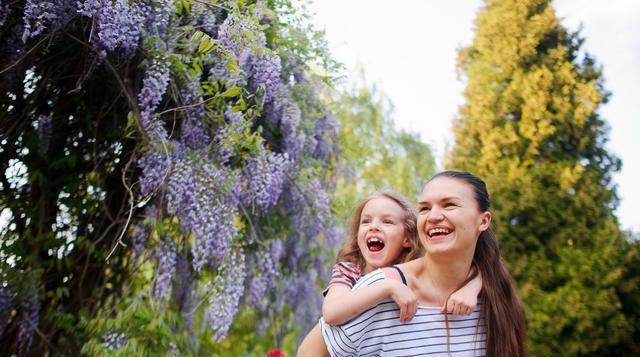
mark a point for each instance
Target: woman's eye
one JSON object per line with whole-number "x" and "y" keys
{"x": 424, "y": 209}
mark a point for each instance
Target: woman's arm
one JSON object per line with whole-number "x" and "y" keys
{"x": 342, "y": 304}
{"x": 313, "y": 344}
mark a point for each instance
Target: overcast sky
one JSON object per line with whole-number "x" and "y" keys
{"x": 408, "y": 49}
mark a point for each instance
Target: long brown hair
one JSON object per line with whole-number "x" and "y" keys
{"x": 501, "y": 310}
{"x": 350, "y": 252}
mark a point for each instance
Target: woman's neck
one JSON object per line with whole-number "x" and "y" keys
{"x": 437, "y": 278}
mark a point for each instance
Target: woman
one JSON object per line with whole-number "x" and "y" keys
{"x": 454, "y": 227}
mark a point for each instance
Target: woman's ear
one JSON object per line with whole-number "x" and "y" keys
{"x": 485, "y": 221}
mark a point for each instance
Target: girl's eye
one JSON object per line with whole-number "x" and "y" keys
{"x": 387, "y": 221}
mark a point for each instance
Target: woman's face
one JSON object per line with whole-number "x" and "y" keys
{"x": 381, "y": 236}
{"x": 449, "y": 221}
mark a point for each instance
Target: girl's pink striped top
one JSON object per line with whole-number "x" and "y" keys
{"x": 345, "y": 273}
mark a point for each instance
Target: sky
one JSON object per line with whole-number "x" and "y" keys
{"x": 407, "y": 48}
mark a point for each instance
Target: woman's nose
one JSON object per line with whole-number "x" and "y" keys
{"x": 435, "y": 214}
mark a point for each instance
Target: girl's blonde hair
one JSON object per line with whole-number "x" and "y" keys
{"x": 350, "y": 252}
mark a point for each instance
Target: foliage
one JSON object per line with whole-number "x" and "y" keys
{"x": 167, "y": 165}
{"x": 531, "y": 128}
{"x": 374, "y": 154}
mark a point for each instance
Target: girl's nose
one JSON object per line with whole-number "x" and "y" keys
{"x": 374, "y": 226}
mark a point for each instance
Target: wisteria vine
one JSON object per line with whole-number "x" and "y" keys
{"x": 235, "y": 152}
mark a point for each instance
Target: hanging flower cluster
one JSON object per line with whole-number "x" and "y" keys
{"x": 235, "y": 151}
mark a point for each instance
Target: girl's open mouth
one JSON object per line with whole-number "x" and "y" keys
{"x": 375, "y": 244}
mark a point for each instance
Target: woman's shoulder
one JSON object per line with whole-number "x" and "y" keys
{"x": 411, "y": 267}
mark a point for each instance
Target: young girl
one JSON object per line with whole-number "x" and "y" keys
{"x": 383, "y": 233}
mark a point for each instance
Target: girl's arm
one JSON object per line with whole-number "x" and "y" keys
{"x": 342, "y": 304}
{"x": 464, "y": 300}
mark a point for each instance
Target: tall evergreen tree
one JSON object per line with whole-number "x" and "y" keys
{"x": 530, "y": 126}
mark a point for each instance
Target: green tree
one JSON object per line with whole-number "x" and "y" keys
{"x": 531, "y": 128}
{"x": 374, "y": 154}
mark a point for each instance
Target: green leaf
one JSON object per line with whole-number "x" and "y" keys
{"x": 232, "y": 92}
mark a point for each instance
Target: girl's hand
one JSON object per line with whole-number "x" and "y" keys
{"x": 405, "y": 298}
{"x": 461, "y": 302}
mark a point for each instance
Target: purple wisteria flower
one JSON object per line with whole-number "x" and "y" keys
{"x": 204, "y": 17}
{"x": 166, "y": 255}
{"x": 228, "y": 34}
{"x": 263, "y": 279}
{"x": 115, "y": 25}
{"x": 154, "y": 86}
{"x": 308, "y": 205}
{"x": 234, "y": 117}
{"x": 263, "y": 178}
{"x": 44, "y": 132}
{"x": 224, "y": 305}
{"x": 162, "y": 12}
{"x": 237, "y": 40}
{"x": 6, "y": 305}
{"x": 265, "y": 72}
{"x": 139, "y": 239}
{"x": 304, "y": 300}
{"x": 275, "y": 108}
{"x": 193, "y": 134}
{"x": 155, "y": 168}
{"x": 293, "y": 138}
{"x": 40, "y": 15}
{"x": 325, "y": 134}
{"x": 30, "y": 318}
{"x": 198, "y": 193}
{"x": 277, "y": 250}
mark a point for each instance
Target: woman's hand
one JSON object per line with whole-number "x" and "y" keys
{"x": 405, "y": 298}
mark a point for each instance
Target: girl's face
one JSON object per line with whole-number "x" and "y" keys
{"x": 449, "y": 220}
{"x": 381, "y": 236}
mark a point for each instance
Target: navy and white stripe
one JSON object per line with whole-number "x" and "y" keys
{"x": 379, "y": 332}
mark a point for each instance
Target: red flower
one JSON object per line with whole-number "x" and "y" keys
{"x": 275, "y": 353}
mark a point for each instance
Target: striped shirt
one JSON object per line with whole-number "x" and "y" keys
{"x": 345, "y": 273}
{"x": 379, "y": 332}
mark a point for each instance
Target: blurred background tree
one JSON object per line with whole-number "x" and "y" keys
{"x": 375, "y": 154}
{"x": 530, "y": 126}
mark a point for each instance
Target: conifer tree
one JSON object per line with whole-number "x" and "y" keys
{"x": 530, "y": 126}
